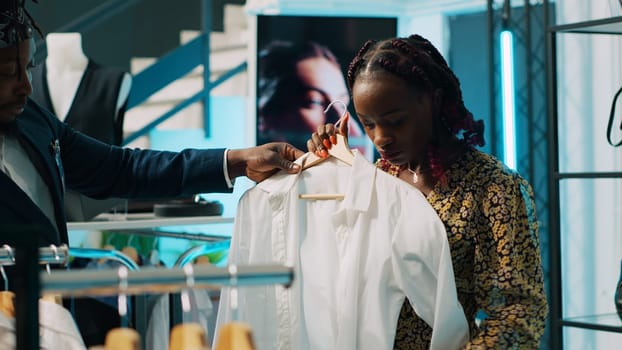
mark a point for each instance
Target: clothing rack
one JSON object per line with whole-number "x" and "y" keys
{"x": 59, "y": 255}
{"x": 47, "y": 255}
{"x": 123, "y": 281}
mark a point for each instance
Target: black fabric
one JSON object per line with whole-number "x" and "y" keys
{"x": 94, "y": 107}
{"x": 94, "y": 318}
{"x": 612, "y": 116}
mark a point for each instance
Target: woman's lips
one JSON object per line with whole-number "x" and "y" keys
{"x": 390, "y": 155}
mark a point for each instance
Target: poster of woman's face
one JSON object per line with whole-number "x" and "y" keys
{"x": 301, "y": 65}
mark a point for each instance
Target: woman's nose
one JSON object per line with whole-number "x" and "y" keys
{"x": 382, "y": 137}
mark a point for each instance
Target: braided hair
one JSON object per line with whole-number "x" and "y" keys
{"x": 421, "y": 65}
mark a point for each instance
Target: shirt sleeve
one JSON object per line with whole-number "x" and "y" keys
{"x": 225, "y": 169}
{"x": 423, "y": 271}
{"x": 509, "y": 283}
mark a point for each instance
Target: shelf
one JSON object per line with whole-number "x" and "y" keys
{"x": 143, "y": 221}
{"x": 611, "y": 25}
{"x": 590, "y": 175}
{"x": 605, "y": 322}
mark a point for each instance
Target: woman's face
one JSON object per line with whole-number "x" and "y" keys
{"x": 15, "y": 86}
{"x": 398, "y": 120}
{"x": 322, "y": 82}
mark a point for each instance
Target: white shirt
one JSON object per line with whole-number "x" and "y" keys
{"x": 57, "y": 329}
{"x": 355, "y": 261}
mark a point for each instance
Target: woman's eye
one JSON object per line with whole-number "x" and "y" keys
{"x": 314, "y": 103}
{"x": 367, "y": 125}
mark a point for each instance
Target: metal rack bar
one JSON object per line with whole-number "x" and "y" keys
{"x": 47, "y": 255}
{"x": 590, "y": 175}
{"x": 111, "y": 282}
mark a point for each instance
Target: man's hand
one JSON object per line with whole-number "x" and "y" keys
{"x": 260, "y": 162}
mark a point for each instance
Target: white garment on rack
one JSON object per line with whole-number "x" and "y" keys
{"x": 201, "y": 311}
{"x": 355, "y": 261}
{"x": 57, "y": 329}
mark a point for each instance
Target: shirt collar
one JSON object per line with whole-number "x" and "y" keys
{"x": 357, "y": 196}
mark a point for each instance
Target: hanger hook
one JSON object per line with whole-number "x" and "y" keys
{"x": 233, "y": 290}
{"x": 185, "y": 296}
{"x": 4, "y": 277}
{"x": 122, "y": 272}
{"x": 345, "y": 111}
{"x": 9, "y": 252}
{"x": 54, "y": 249}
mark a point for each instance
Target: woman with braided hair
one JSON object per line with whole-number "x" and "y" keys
{"x": 410, "y": 104}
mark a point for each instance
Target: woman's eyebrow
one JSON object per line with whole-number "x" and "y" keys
{"x": 381, "y": 115}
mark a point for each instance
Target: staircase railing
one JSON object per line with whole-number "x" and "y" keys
{"x": 166, "y": 69}
{"x": 88, "y": 21}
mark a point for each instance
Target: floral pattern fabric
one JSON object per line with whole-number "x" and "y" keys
{"x": 489, "y": 215}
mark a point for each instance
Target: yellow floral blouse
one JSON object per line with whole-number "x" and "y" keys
{"x": 489, "y": 214}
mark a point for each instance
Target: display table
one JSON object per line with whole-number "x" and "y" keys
{"x": 143, "y": 221}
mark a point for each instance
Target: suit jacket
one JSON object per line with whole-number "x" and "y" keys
{"x": 69, "y": 159}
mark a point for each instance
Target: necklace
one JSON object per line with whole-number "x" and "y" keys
{"x": 415, "y": 177}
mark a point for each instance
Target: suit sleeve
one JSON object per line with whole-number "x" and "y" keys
{"x": 100, "y": 170}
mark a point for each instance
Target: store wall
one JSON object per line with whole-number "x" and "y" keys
{"x": 589, "y": 74}
{"x": 148, "y": 29}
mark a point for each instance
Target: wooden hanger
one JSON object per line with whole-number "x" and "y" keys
{"x": 188, "y": 336}
{"x": 122, "y": 339}
{"x": 341, "y": 151}
{"x": 235, "y": 336}
{"x": 7, "y": 306}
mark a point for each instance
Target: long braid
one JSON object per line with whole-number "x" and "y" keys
{"x": 357, "y": 62}
{"x": 417, "y": 61}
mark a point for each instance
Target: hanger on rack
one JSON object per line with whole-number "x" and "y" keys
{"x": 122, "y": 338}
{"x": 52, "y": 298}
{"x": 7, "y": 305}
{"x": 234, "y": 335}
{"x": 190, "y": 335}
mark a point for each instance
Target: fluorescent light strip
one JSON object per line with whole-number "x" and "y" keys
{"x": 507, "y": 89}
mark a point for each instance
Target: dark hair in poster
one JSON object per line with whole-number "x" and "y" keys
{"x": 300, "y": 70}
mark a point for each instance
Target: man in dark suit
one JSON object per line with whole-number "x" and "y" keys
{"x": 40, "y": 156}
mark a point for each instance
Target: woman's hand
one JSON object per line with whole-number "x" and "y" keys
{"x": 324, "y": 137}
